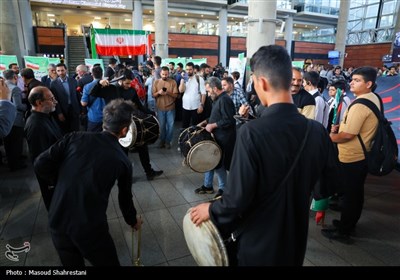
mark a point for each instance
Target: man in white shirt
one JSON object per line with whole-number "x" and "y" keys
{"x": 193, "y": 98}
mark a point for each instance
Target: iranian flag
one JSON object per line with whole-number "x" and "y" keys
{"x": 111, "y": 42}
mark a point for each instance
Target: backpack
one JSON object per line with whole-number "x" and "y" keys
{"x": 138, "y": 87}
{"x": 382, "y": 158}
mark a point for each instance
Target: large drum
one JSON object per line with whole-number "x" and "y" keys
{"x": 205, "y": 243}
{"x": 200, "y": 149}
{"x": 141, "y": 131}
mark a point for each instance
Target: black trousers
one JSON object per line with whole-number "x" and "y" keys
{"x": 354, "y": 175}
{"x": 144, "y": 157}
{"x": 13, "y": 144}
{"x": 73, "y": 250}
{"x": 189, "y": 115}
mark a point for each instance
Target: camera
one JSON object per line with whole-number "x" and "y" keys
{"x": 164, "y": 89}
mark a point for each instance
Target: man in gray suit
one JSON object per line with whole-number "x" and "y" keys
{"x": 7, "y": 110}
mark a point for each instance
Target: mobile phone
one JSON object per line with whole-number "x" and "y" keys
{"x": 164, "y": 89}
{"x": 186, "y": 77}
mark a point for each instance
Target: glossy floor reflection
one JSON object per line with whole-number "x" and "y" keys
{"x": 164, "y": 201}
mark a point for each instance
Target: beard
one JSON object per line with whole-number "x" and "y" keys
{"x": 190, "y": 74}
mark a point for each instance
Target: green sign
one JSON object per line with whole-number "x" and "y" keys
{"x": 54, "y": 60}
{"x": 38, "y": 64}
{"x": 89, "y": 62}
{"x": 6, "y": 60}
{"x": 299, "y": 64}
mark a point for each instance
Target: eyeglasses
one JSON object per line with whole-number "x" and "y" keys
{"x": 52, "y": 99}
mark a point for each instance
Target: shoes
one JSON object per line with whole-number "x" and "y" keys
{"x": 334, "y": 234}
{"x": 203, "y": 189}
{"x": 151, "y": 175}
{"x": 219, "y": 193}
{"x": 161, "y": 145}
{"x": 168, "y": 146}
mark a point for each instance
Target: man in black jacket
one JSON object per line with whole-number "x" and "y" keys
{"x": 273, "y": 217}
{"x": 83, "y": 167}
{"x": 42, "y": 131}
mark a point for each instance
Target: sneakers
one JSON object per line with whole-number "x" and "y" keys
{"x": 334, "y": 234}
{"x": 151, "y": 175}
{"x": 219, "y": 193}
{"x": 203, "y": 189}
{"x": 161, "y": 145}
{"x": 168, "y": 146}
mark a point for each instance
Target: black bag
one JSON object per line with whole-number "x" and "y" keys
{"x": 382, "y": 157}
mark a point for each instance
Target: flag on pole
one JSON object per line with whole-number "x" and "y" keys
{"x": 111, "y": 42}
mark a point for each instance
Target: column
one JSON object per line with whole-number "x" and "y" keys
{"x": 262, "y": 25}
{"x": 223, "y": 36}
{"x": 289, "y": 34}
{"x": 137, "y": 22}
{"x": 341, "y": 30}
{"x": 161, "y": 26}
{"x": 16, "y": 32}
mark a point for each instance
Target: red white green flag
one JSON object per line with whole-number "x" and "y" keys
{"x": 111, "y": 42}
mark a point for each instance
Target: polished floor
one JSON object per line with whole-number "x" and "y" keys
{"x": 163, "y": 203}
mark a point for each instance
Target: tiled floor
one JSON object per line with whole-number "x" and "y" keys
{"x": 163, "y": 203}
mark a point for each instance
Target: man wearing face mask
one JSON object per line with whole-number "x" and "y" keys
{"x": 165, "y": 91}
{"x": 124, "y": 90}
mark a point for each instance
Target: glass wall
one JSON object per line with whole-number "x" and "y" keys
{"x": 371, "y": 21}
{"x": 327, "y": 7}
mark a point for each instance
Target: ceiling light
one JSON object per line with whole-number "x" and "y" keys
{"x": 127, "y": 19}
{"x": 52, "y": 19}
{"x": 97, "y": 17}
{"x": 181, "y": 23}
{"x": 51, "y": 15}
{"x": 172, "y": 26}
{"x": 185, "y": 15}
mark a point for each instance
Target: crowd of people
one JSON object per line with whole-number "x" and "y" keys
{"x": 267, "y": 174}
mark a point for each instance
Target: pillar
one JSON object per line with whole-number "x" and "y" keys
{"x": 223, "y": 36}
{"x": 161, "y": 26}
{"x": 341, "y": 30}
{"x": 137, "y": 22}
{"x": 262, "y": 25}
{"x": 16, "y": 32}
{"x": 289, "y": 34}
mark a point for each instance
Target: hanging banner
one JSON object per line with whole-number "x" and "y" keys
{"x": 6, "y": 60}
{"x": 89, "y": 62}
{"x": 122, "y": 42}
{"x": 166, "y": 61}
{"x": 197, "y": 61}
{"x": 38, "y": 64}
{"x": 239, "y": 65}
{"x": 54, "y": 60}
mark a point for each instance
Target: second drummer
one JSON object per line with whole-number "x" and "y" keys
{"x": 222, "y": 124}
{"x": 124, "y": 90}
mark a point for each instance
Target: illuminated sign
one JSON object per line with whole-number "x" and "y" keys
{"x": 113, "y": 4}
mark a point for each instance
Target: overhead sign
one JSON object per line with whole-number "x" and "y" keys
{"x": 113, "y": 4}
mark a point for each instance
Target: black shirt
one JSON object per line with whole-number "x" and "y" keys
{"x": 84, "y": 166}
{"x": 276, "y": 219}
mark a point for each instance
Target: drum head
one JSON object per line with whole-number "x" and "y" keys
{"x": 204, "y": 156}
{"x": 129, "y": 140}
{"x": 204, "y": 243}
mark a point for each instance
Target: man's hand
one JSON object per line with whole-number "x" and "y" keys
{"x": 244, "y": 110}
{"x": 139, "y": 223}
{"x": 200, "y": 109}
{"x": 104, "y": 83}
{"x": 61, "y": 117}
{"x": 5, "y": 93}
{"x": 211, "y": 126}
{"x": 200, "y": 213}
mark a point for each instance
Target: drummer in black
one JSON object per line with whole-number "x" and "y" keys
{"x": 83, "y": 167}
{"x": 272, "y": 218}
{"x": 223, "y": 126}
{"x": 124, "y": 90}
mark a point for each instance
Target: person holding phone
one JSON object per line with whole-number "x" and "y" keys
{"x": 165, "y": 92}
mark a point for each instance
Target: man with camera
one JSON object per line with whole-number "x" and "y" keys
{"x": 165, "y": 91}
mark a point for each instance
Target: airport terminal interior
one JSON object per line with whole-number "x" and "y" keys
{"x": 310, "y": 27}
